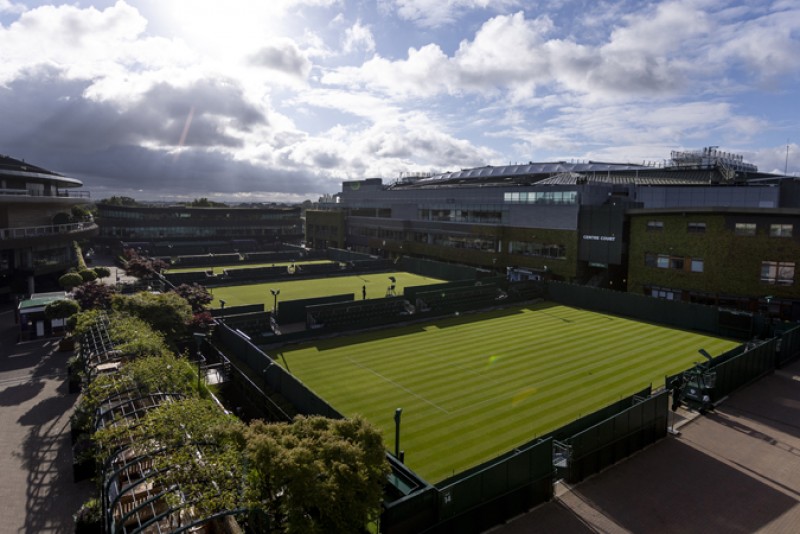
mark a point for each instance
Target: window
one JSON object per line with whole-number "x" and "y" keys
{"x": 745, "y": 229}
{"x": 780, "y": 230}
{"x": 777, "y": 272}
{"x": 655, "y": 226}
{"x": 696, "y": 228}
{"x": 664, "y": 294}
{"x": 697, "y": 265}
{"x": 650, "y": 260}
{"x": 662, "y": 262}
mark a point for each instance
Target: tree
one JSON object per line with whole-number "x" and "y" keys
{"x": 92, "y": 295}
{"x": 102, "y": 272}
{"x": 120, "y": 201}
{"x": 196, "y": 295}
{"x": 88, "y": 275}
{"x": 70, "y": 280}
{"x": 61, "y": 309}
{"x": 142, "y": 267}
{"x": 330, "y": 473}
{"x": 169, "y": 313}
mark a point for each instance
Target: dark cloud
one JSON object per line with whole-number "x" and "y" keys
{"x": 286, "y": 58}
{"x": 56, "y": 127}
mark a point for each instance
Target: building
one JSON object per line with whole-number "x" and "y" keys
{"x": 37, "y": 226}
{"x": 576, "y": 221}
{"x": 167, "y": 230}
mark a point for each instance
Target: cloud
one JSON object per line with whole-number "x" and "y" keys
{"x": 283, "y": 56}
{"x": 358, "y": 37}
{"x": 435, "y": 13}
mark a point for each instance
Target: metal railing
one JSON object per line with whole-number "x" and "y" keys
{"x": 61, "y": 193}
{"x": 41, "y": 231}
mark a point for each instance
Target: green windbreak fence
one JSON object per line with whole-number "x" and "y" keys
{"x": 744, "y": 368}
{"x": 498, "y": 490}
{"x": 294, "y": 311}
{"x": 683, "y": 315}
{"x": 789, "y": 348}
{"x": 615, "y": 438}
{"x": 274, "y": 376}
{"x": 437, "y": 269}
{"x": 744, "y": 364}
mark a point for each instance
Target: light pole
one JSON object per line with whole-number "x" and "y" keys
{"x": 275, "y": 293}
{"x": 222, "y": 305}
{"x": 198, "y": 338}
{"x": 397, "y": 413}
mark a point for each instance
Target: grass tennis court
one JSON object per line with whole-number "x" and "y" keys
{"x": 476, "y": 386}
{"x": 377, "y": 284}
{"x": 219, "y": 268}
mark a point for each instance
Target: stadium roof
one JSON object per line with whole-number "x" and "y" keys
{"x": 555, "y": 167}
{"x": 20, "y": 169}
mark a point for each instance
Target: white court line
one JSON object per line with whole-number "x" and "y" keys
{"x": 420, "y": 397}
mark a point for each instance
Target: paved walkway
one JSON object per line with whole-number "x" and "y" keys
{"x": 735, "y": 470}
{"x": 37, "y": 494}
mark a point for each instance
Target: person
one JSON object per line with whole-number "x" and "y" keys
{"x": 364, "y": 292}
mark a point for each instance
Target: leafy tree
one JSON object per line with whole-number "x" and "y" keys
{"x": 102, "y": 272}
{"x": 142, "y": 267}
{"x": 92, "y": 295}
{"x": 120, "y": 201}
{"x": 79, "y": 213}
{"x": 61, "y": 309}
{"x": 61, "y": 218}
{"x": 88, "y": 275}
{"x": 169, "y": 313}
{"x": 70, "y": 280}
{"x": 205, "y": 203}
{"x": 329, "y": 472}
{"x": 196, "y": 295}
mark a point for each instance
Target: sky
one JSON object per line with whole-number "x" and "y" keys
{"x": 282, "y": 100}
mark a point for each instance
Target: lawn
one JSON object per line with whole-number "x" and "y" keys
{"x": 476, "y": 386}
{"x": 376, "y": 284}
{"x": 219, "y": 268}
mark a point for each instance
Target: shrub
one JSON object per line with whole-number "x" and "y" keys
{"x": 102, "y": 272}
{"x": 70, "y": 280}
{"x": 88, "y": 275}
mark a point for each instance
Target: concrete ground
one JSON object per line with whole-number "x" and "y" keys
{"x": 735, "y": 470}
{"x": 37, "y": 494}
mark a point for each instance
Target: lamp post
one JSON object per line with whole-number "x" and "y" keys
{"x": 198, "y": 338}
{"x": 222, "y": 305}
{"x": 397, "y": 413}
{"x": 275, "y": 293}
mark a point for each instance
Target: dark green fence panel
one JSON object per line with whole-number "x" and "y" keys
{"x": 588, "y": 421}
{"x": 497, "y": 490}
{"x": 437, "y": 269}
{"x": 337, "y": 254}
{"x": 743, "y": 368}
{"x": 789, "y": 346}
{"x": 617, "y": 437}
{"x": 294, "y": 311}
{"x": 236, "y": 310}
{"x": 274, "y": 376}
{"x": 684, "y": 315}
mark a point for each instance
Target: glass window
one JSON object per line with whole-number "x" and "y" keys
{"x": 697, "y": 265}
{"x": 745, "y": 229}
{"x": 777, "y": 272}
{"x": 650, "y": 260}
{"x": 696, "y": 227}
{"x": 780, "y": 230}
{"x": 655, "y": 226}
{"x": 663, "y": 261}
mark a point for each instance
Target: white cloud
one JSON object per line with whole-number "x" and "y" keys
{"x": 358, "y": 37}
{"x": 434, "y": 13}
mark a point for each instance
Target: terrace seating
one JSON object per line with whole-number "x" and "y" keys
{"x": 459, "y": 299}
{"x": 357, "y": 314}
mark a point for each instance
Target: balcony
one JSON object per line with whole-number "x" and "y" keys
{"x": 23, "y": 236}
{"x": 25, "y": 196}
